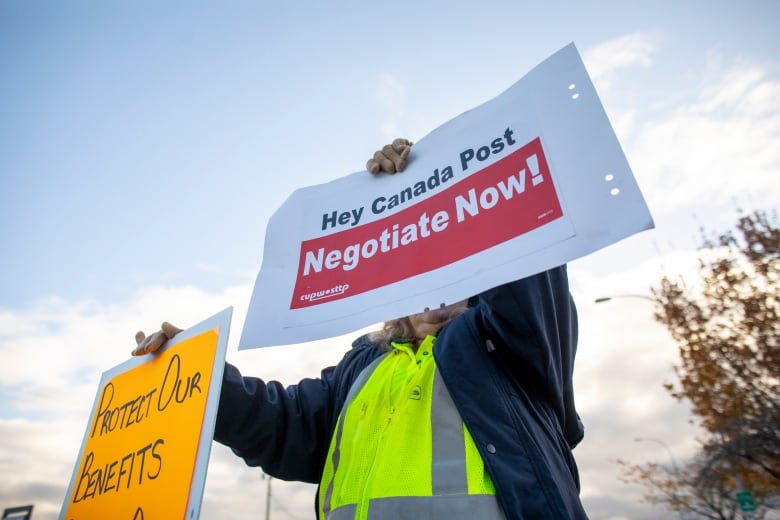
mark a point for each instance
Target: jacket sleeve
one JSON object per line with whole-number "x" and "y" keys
{"x": 285, "y": 430}
{"x": 534, "y": 323}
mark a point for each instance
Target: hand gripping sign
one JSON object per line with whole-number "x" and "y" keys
{"x": 146, "y": 448}
{"x": 530, "y": 180}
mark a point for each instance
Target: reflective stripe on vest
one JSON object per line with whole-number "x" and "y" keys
{"x": 360, "y": 380}
{"x": 453, "y": 507}
{"x": 449, "y": 480}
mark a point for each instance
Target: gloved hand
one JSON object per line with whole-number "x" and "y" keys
{"x": 147, "y": 345}
{"x": 391, "y": 158}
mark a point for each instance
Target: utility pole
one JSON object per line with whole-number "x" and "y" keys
{"x": 267, "y": 496}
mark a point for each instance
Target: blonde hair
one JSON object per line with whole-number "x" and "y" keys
{"x": 399, "y": 330}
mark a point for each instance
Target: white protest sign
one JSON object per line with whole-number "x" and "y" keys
{"x": 530, "y": 180}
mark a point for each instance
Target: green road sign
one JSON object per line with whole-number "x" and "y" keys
{"x": 746, "y": 502}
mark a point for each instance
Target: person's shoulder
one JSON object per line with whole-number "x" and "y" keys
{"x": 365, "y": 349}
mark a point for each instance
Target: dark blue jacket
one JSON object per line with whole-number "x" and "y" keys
{"x": 507, "y": 364}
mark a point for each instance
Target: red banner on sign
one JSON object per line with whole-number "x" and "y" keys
{"x": 505, "y": 200}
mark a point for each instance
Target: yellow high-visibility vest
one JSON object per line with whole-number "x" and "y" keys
{"x": 401, "y": 450}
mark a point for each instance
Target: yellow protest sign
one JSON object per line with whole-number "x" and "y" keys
{"x": 146, "y": 447}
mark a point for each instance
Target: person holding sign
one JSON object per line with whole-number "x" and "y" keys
{"x": 463, "y": 411}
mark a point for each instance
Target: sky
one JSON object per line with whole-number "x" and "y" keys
{"x": 144, "y": 146}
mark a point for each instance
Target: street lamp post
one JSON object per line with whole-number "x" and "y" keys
{"x": 666, "y": 447}
{"x": 675, "y": 467}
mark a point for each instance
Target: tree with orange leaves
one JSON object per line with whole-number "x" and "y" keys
{"x": 727, "y": 328}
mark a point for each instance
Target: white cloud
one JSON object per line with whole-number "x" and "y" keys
{"x": 606, "y": 60}
{"x": 714, "y": 152}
